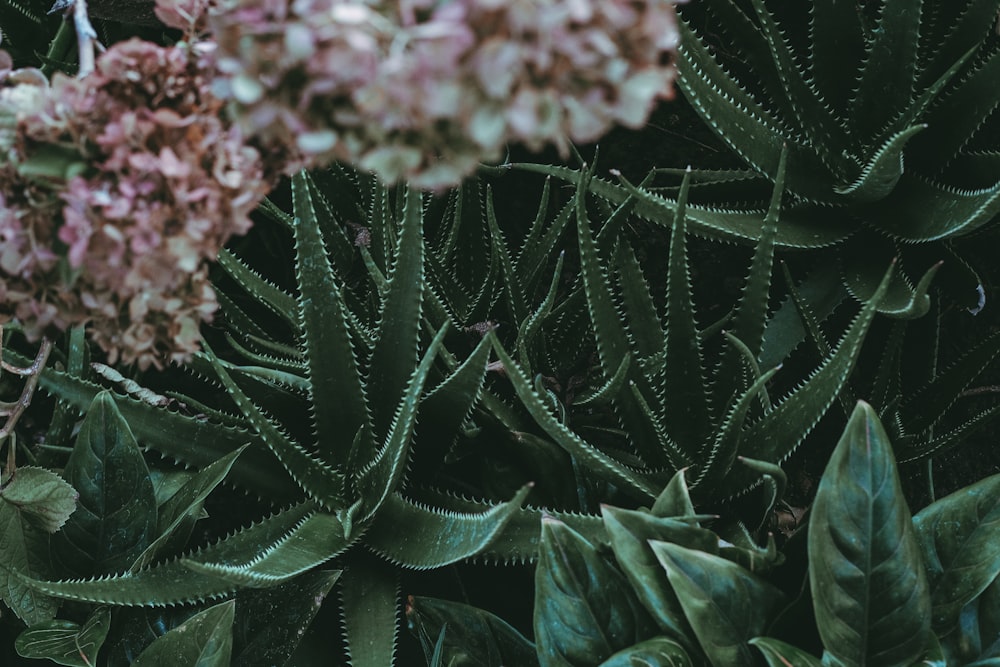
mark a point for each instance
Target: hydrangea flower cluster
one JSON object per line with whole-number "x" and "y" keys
{"x": 424, "y": 90}
{"x": 115, "y": 190}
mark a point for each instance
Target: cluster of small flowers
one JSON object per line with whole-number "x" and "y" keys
{"x": 424, "y": 90}
{"x": 115, "y": 191}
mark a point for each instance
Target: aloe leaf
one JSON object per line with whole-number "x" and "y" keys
{"x": 443, "y": 410}
{"x": 746, "y": 127}
{"x": 888, "y": 72}
{"x": 528, "y": 339}
{"x": 781, "y": 430}
{"x": 870, "y": 595}
{"x": 277, "y": 300}
{"x": 66, "y": 642}
{"x": 837, "y": 48}
{"x": 270, "y": 622}
{"x": 330, "y": 222}
{"x": 512, "y": 285}
{"x": 930, "y": 402}
{"x": 683, "y": 390}
{"x": 436, "y": 538}
{"x": 531, "y": 262}
{"x": 608, "y": 391}
{"x": 65, "y": 415}
{"x": 972, "y": 25}
{"x": 956, "y": 117}
{"x": 584, "y": 609}
{"x": 172, "y": 582}
{"x": 116, "y": 517}
{"x": 883, "y": 170}
{"x": 369, "y": 596}
{"x": 204, "y": 640}
{"x": 780, "y": 654}
{"x": 384, "y": 473}
{"x": 919, "y": 210}
{"x": 822, "y": 291}
{"x": 599, "y": 463}
{"x": 338, "y": 403}
{"x": 655, "y": 652}
{"x": 914, "y": 451}
{"x": 177, "y": 515}
{"x": 395, "y": 352}
{"x": 469, "y": 636}
{"x": 813, "y": 118}
{"x": 862, "y": 276}
{"x": 317, "y": 539}
{"x": 314, "y": 476}
{"x": 630, "y": 533}
{"x": 721, "y": 454}
{"x": 643, "y": 321}
{"x": 957, "y": 535}
{"x": 725, "y": 604}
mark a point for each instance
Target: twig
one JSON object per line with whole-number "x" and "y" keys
{"x": 976, "y": 391}
{"x": 14, "y": 410}
{"x": 86, "y": 38}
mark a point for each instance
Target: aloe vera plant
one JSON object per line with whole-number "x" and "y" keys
{"x": 883, "y": 587}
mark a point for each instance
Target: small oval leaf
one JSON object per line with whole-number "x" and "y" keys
{"x": 204, "y": 640}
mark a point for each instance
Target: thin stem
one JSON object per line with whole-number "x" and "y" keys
{"x": 14, "y": 410}
{"x": 86, "y": 38}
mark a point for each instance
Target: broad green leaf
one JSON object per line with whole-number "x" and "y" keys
{"x": 655, "y": 652}
{"x": 178, "y": 514}
{"x": 870, "y": 594}
{"x": 43, "y": 497}
{"x": 780, "y": 654}
{"x": 66, "y": 642}
{"x": 725, "y": 604}
{"x": 630, "y": 534}
{"x": 977, "y": 636}
{"x": 434, "y": 538}
{"x": 204, "y": 640}
{"x": 585, "y": 611}
{"x": 369, "y": 595}
{"x": 675, "y": 499}
{"x": 116, "y": 515}
{"x": 270, "y": 622}
{"x": 23, "y": 549}
{"x": 472, "y": 637}
{"x": 958, "y": 536}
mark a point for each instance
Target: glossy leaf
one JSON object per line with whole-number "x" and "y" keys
{"x": 870, "y": 594}
{"x": 725, "y": 604}
{"x": 584, "y": 609}
{"x": 204, "y": 640}
{"x": 23, "y": 551}
{"x": 780, "y": 654}
{"x": 957, "y": 536}
{"x": 655, "y": 652}
{"x": 65, "y": 642}
{"x": 369, "y": 594}
{"x": 470, "y": 636}
{"x": 116, "y": 516}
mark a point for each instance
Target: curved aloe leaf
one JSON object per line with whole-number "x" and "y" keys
{"x": 870, "y": 594}
{"x": 435, "y": 538}
{"x": 957, "y": 536}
